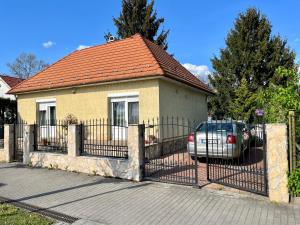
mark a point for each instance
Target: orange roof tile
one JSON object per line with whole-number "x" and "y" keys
{"x": 130, "y": 58}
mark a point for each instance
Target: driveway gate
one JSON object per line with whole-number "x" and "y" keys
{"x": 235, "y": 154}
{"x": 229, "y": 153}
{"x": 166, "y": 156}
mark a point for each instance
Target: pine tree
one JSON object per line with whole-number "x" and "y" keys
{"x": 251, "y": 53}
{"x": 137, "y": 16}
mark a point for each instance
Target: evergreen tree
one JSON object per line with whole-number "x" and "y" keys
{"x": 137, "y": 16}
{"x": 242, "y": 107}
{"x": 251, "y": 53}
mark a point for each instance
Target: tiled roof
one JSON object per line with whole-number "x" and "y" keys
{"x": 11, "y": 81}
{"x": 131, "y": 58}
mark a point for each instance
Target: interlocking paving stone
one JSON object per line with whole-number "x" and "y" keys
{"x": 96, "y": 200}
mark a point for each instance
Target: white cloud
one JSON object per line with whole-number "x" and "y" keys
{"x": 48, "y": 44}
{"x": 201, "y": 71}
{"x": 297, "y": 40}
{"x": 82, "y": 47}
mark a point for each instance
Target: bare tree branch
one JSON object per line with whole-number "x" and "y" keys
{"x": 26, "y": 65}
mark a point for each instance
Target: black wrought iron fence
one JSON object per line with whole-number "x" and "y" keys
{"x": 103, "y": 137}
{"x": 19, "y": 127}
{"x": 166, "y": 136}
{"x": 235, "y": 154}
{"x": 1, "y": 135}
{"x": 166, "y": 155}
{"x": 51, "y": 136}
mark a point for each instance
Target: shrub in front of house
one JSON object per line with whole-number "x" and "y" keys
{"x": 294, "y": 182}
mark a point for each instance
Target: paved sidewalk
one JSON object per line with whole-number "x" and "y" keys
{"x": 97, "y": 200}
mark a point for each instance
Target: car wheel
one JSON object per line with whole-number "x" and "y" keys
{"x": 193, "y": 157}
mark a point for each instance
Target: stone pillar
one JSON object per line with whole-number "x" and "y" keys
{"x": 277, "y": 162}
{"x": 74, "y": 140}
{"x": 9, "y": 142}
{"x": 28, "y": 139}
{"x": 136, "y": 139}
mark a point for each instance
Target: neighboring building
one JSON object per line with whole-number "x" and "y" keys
{"x": 7, "y": 83}
{"x": 128, "y": 81}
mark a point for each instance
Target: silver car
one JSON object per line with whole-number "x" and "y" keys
{"x": 226, "y": 139}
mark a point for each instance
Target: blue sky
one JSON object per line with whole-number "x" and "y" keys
{"x": 52, "y": 29}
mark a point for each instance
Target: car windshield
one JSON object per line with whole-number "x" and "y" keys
{"x": 214, "y": 127}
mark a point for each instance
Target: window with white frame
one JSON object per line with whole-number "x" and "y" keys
{"x": 47, "y": 113}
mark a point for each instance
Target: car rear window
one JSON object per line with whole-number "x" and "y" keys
{"x": 214, "y": 127}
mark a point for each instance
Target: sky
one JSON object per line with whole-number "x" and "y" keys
{"x": 52, "y": 29}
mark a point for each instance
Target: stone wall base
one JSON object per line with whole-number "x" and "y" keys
{"x": 2, "y": 155}
{"x": 108, "y": 167}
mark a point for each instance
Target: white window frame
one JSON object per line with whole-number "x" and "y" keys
{"x": 125, "y": 99}
{"x": 45, "y": 106}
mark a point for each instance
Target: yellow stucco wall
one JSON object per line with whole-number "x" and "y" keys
{"x": 157, "y": 98}
{"x": 180, "y": 101}
{"x": 92, "y": 102}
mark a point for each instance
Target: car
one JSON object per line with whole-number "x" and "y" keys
{"x": 226, "y": 139}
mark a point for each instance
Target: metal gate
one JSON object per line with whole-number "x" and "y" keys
{"x": 18, "y": 140}
{"x": 235, "y": 154}
{"x": 227, "y": 152}
{"x": 166, "y": 156}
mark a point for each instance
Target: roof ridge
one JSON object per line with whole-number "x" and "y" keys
{"x": 192, "y": 75}
{"x": 108, "y": 43}
{"x": 153, "y": 55}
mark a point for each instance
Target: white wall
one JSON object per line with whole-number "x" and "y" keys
{"x": 4, "y": 88}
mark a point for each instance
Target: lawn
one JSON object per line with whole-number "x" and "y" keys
{"x": 10, "y": 215}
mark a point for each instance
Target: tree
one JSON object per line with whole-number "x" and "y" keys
{"x": 277, "y": 100}
{"x": 251, "y": 53}
{"x": 26, "y": 65}
{"x": 242, "y": 106}
{"x": 137, "y": 16}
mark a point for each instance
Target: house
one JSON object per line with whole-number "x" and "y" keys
{"x": 6, "y": 83}
{"x": 127, "y": 81}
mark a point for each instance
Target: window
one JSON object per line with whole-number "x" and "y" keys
{"x": 133, "y": 112}
{"x": 47, "y": 113}
{"x": 52, "y": 115}
{"x": 124, "y": 111}
{"x": 42, "y": 115}
{"x": 216, "y": 127}
{"x": 118, "y": 113}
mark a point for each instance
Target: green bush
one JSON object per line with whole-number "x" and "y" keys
{"x": 294, "y": 182}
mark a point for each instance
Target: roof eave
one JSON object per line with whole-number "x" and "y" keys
{"x": 210, "y": 92}
{"x": 85, "y": 85}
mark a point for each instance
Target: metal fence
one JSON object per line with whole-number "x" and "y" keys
{"x": 294, "y": 140}
{"x": 1, "y": 135}
{"x": 166, "y": 156}
{"x": 230, "y": 152}
{"x": 19, "y": 140}
{"x": 101, "y": 137}
{"x": 51, "y": 136}
{"x": 235, "y": 154}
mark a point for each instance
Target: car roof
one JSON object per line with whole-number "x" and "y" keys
{"x": 223, "y": 121}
